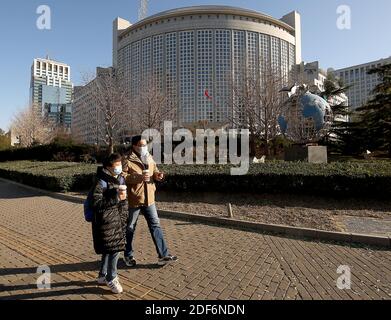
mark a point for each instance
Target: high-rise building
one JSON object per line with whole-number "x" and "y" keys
{"x": 87, "y": 122}
{"x": 51, "y": 91}
{"x": 315, "y": 77}
{"x": 191, "y": 53}
{"x": 311, "y": 74}
{"x": 361, "y": 83}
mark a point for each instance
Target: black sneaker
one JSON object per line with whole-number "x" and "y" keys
{"x": 130, "y": 262}
{"x": 166, "y": 260}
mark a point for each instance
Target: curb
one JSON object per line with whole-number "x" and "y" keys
{"x": 312, "y": 234}
{"x": 306, "y": 233}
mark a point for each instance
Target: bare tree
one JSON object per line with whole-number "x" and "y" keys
{"x": 31, "y": 127}
{"x": 153, "y": 106}
{"x": 109, "y": 118}
{"x": 113, "y": 107}
{"x": 256, "y": 104}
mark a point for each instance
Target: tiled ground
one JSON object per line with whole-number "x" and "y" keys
{"x": 215, "y": 263}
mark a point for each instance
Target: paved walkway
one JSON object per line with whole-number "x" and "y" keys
{"x": 215, "y": 263}
{"x": 362, "y": 225}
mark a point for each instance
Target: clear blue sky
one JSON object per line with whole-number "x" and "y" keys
{"x": 81, "y": 35}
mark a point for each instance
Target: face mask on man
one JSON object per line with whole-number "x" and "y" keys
{"x": 118, "y": 170}
{"x": 143, "y": 151}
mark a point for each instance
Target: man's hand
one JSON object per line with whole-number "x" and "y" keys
{"x": 146, "y": 177}
{"x": 159, "y": 176}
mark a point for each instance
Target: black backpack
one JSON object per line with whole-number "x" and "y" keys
{"x": 88, "y": 203}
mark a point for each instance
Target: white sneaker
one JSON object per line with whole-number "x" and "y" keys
{"x": 115, "y": 286}
{"x": 101, "y": 281}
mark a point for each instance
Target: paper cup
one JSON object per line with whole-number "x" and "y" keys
{"x": 123, "y": 188}
{"x": 146, "y": 172}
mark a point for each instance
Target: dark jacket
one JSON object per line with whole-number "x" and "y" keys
{"x": 110, "y": 214}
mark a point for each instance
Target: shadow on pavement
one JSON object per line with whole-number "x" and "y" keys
{"x": 152, "y": 266}
{"x": 76, "y": 288}
{"x": 59, "y": 289}
{"x": 12, "y": 191}
{"x": 76, "y": 267}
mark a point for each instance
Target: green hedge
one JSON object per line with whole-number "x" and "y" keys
{"x": 368, "y": 179}
{"x": 356, "y": 179}
{"x": 50, "y": 152}
{"x": 59, "y": 152}
{"x": 53, "y": 176}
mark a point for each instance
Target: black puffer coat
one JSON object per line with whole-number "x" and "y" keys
{"x": 110, "y": 214}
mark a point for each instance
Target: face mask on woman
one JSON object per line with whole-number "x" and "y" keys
{"x": 118, "y": 170}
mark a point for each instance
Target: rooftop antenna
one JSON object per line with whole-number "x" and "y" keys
{"x": 48, "y": 56}
{"x": 143, "y": 10}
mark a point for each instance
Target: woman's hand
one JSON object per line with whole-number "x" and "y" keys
{"x": 122, "y": 195}
{"x": 122, "y": 192}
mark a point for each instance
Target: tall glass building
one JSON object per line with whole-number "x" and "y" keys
{"x": 51, "y": 91}
{"x": 191, "y": 53}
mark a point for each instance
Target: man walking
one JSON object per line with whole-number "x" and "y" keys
{"x": 141, "y": 173}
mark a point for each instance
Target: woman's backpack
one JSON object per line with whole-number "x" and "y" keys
{"x": 88, "y": 203}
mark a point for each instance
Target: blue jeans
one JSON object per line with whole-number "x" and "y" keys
{"x": 150, "y": 214}
{"x": 108, "y": 267}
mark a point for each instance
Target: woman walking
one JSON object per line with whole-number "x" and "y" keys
{"x": 110, "y": 219}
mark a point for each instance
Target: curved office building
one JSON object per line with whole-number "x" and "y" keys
{"x": 190, "y": 51}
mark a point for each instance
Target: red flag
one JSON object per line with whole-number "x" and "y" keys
{"x": 207, "y": 94}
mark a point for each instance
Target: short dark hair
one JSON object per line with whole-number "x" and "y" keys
{"x": 136, "y": 140}
{"x": 111, "y": 159}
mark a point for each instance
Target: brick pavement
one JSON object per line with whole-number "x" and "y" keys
{"x": 215, "y": 263}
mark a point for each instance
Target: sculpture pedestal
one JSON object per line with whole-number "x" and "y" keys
{"x": 311, "y": 154}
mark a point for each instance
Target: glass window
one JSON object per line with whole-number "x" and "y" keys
{"x": 187, "y": 76}
{"x": 205, "y": 75}
{"x": 171, "y": 68}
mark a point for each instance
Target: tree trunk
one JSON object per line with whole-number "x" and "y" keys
{"x": 253, "y": 146}
{"x": 111, "y": 146}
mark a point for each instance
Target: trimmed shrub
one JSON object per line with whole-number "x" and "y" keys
{"x": 339, "y": 179}
{"x": 60, "y": 152}
{"x": 53, "y": 176}
{"x": 348, "y": 179}
{"x": 51, "y": 152}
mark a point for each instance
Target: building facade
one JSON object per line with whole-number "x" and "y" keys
{"x": 311, "y": 74}
{"x": 192, "y": 53}
{"x": 315, "y": 77}
{"x": 87, "y": 122}
{"x": 361, "y": 83}
{"x": 51, "y": 91}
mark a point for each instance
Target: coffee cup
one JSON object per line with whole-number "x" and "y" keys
{"x": 123, "y": 189}
{"x": 146, "y": 172}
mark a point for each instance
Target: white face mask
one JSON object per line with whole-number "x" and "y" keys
{"x": 143, "y": 151}
{"x": 118, "y": 170}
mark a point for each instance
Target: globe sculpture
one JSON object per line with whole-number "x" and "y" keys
{"x": 306, "y": 117}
